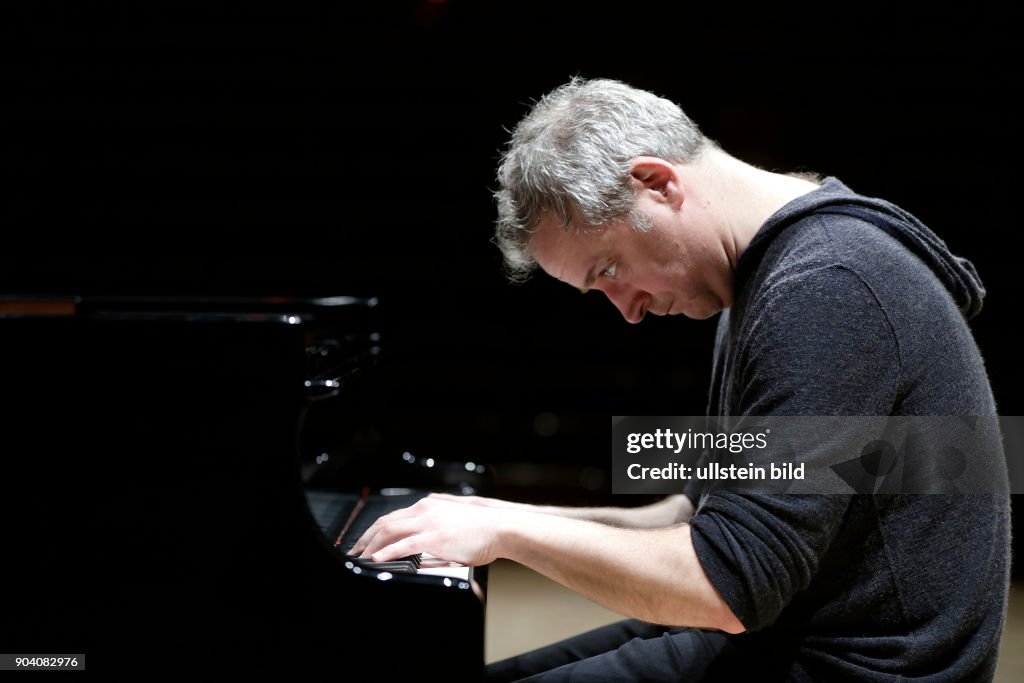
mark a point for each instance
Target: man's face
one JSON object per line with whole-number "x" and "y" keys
{"x": 666, "y": 270}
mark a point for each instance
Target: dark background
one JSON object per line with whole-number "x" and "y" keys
{"x": 227, "y": 148}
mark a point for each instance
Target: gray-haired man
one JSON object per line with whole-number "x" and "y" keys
{"x": 832, "y": 304}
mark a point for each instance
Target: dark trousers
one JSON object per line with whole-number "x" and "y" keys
{"x": 629, "y": 650}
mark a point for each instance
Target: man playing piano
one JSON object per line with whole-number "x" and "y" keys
{"x": 832, "y": 304}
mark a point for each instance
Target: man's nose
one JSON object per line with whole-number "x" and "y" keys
{"x": 631, "y": 302}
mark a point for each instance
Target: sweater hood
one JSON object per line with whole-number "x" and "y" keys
{"x": 957, "y": 274}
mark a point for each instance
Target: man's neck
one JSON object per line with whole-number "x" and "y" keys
{"x": 738, "y": 198}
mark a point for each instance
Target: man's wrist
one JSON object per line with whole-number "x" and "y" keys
{"x": 512, "y": 527}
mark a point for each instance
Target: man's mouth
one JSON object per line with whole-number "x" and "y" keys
{"x": 667, "y": 310}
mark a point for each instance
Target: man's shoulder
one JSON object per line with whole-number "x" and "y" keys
{"x": 827, "y": 237}
{"x": 823, "y": 244}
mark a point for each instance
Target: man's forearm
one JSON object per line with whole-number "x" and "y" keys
{"x": 649, "y": 574}
{"x": 666, "y": 512}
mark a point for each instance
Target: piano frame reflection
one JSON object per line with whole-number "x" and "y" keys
{"x": 159, "y": 456}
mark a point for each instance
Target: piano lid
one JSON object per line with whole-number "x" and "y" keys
{"x": 284, "y": 309}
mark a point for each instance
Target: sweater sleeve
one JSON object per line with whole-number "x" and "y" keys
{"x": 816, "y": 344}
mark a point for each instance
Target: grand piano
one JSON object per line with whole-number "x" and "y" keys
{"x": 175, "y": 478}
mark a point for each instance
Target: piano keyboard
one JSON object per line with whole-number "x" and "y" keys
{"x": 344, "y": 517}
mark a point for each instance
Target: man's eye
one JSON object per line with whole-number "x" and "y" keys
{"x": 609, "y": 271}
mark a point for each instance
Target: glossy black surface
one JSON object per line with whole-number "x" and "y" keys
{"x": 152, "y": 502}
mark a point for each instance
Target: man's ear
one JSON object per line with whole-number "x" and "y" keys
{"x": 659, "y": 177}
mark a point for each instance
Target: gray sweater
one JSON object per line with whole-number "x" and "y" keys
{"x": 847, "y": 305}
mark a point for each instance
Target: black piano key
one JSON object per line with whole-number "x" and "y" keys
{"x": 402, "y": 565}
{"x": 398, "y": 567}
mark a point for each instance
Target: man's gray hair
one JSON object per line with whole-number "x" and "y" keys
{"x": 570, "y": 156}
